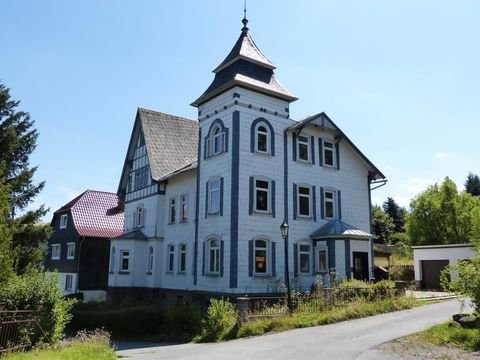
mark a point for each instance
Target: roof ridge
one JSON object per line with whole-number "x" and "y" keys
{"x": 168, "y": 114}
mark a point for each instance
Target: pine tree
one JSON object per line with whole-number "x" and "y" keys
{"x": 396, "y": 213}
{"x": 382, "y": 225}
{"x": 472, "y": 184}
{"x": 18, "y": 138}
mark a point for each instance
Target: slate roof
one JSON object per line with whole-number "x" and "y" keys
{"x": 136, "y": 234}
{"x": 95, "y": 214}
{"x": 338, "y": 229}
{"x": 172, "y": 141}
{"x": 324, "y": 121}
{"x": 247, "y": 67}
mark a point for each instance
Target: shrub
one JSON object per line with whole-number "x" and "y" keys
{"x": 39, "y": 291}
{"x": 182, "y": 322}
{"x": 221, "y": 321}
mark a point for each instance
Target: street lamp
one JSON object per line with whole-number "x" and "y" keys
{"x": 284, "y": 231}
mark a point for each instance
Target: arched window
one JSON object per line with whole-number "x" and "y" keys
{"x": 262, "y": 137}
{"x": 216, "y": 139}
{"x": 150, "y": 260}
{"x": 139, "y": 216}
{"x": 182, "y": 258}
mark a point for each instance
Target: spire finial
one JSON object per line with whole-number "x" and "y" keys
{"x": 245, "y": 21}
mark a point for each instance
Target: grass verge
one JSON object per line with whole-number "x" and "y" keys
{"x": 299, "y": 320}
{"x": 450, "y": 335}
{"x": 74, "y": 351}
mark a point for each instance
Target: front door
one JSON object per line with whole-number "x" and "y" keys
{"x": 360, "y": 265}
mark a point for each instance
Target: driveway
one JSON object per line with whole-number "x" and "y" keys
{"x": 356, "y": 339}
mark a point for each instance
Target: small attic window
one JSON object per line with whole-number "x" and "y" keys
{"x": 141, "y": 139}
{"x": 63, "y": 221}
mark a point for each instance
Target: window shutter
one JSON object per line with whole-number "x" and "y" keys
{"x": 314, "y": 270}
{"x": 207, "y": 198}
{"x": 322, "y": 203}
{"x": 250, "y": 258}
{"x": 273, "y": 198}
{"x": 331, "y": 253}
{"x": 274, "y": 270}
{"x": 295, "y": 201}
{"x": 337, "y": 154}
{"x": 250, "y": 196}
{"x": 206, "y": 153}
{"x": 253, "y": 135}
{"x": 224, "y": 141}
{"x": 204, "y": 264}
{"x": 221, "y": 196}
{"x": 339, "y": 204}
{"x": 312, "y": 149}
{"x": 294, "y": 146}
{"x": 314, "y": 203}
{"x": 320, "y": 151}
{"x": 295, "y": 259}
{"x": 222, "y": 246}
{"x": 272, "y": 139}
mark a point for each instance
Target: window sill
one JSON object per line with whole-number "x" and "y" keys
{"x": 183, "y": 222}
{"x": 260, "y": 275}
{"x": 181, "y": 272}
{"x": 264, "y": 213}
{"x": 263, "y": 154}
{"x": 330, "y": 167}
{"x": 124, "y": 273}
{"x": 304, "y": 218}
{"x": 55, "y": 258}
{"x": 215, "y": 275}
{"x": 304, "y": 162}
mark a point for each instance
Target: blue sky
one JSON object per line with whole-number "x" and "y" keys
{"x": 401, "y": 78}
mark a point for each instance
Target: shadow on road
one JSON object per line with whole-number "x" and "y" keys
{"x": 130, "y": 345}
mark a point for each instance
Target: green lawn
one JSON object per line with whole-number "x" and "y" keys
{"x": 449, "y": 335}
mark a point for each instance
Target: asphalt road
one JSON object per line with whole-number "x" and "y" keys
{"x": 356, "y": 339}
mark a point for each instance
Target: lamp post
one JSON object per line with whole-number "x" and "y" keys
{"x": 284, "y": 231}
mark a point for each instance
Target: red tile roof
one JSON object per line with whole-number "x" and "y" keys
{"x": 96, "y": 214}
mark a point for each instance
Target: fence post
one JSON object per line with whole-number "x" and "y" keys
{"x": 243, "y": 306}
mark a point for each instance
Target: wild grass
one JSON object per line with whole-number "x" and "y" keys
{"x": 452, "y": 336}
{"x": 355, "y": 310}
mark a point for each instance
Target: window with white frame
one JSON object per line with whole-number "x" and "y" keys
{"x": 124, "y": 260}
{"x": 322, "y": 259}
{"x": 140, "y": 216}
{"x": 182, "y": 258}
{"x": 328, "y": 153}
{"x": 304, "y": 202}
{"x": 172, "y": 212}
{"x": 184, "y": 208}
{"x": 70, "y": 250}
{"x": 68, "y": 282}
{"x": 216, "y": 141}
{"x": 260, "y": 254}
{"x": 304, "y": 253}
{"x": 262, "y": 195}
{"x": 262, "y": 139}
{"x": 303, "y": 148}
{"x": 63, "y": 221}
{"x": 56, "y": 250}
{"x": 213, "y": 256}
{"x": 329, "y": 204}
{"x": 150, "y": 260}
{"x": 170, "y": 258}
{"x": 112, "y": 260}
{"x": 214, "y": 196}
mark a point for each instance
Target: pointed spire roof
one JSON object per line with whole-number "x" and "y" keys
{"x": 245, "y": 66}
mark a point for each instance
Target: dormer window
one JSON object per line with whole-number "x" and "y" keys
{"x": 63, "y": 221}
{"x": 328, "y": 153}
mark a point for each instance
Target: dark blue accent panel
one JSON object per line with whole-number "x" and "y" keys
{"x": 222, "y": 257}
{"x": 221, "y": 196}
{"x": 253, "y": 134}
{"x": 339, "y": 205}
{"x": 285, "y": 177}
{"x": 294, "y": 201}
{"x": 314, "y": 270}
{"x": 347, "y": 259}
{"x": 322, "y": 204}
{"x": 197, "y": 210}
{"x": 250, "y": 195}
{"x": 295, "y": 259}
{"x": 312, "y": 149}
{"x": 236, "y": 95}
{"x": 294, "y": 146}
{"x": 274, "y": 256}
{"x": 314, "y": 203}
{"x": 234, "y": 200}
{"x": 250, "y": 258}
{"x": 206, "y": 198}
{"x": 273, "y": 198}
{"x": 331, "y": 253}
{"x": 337, "y": 151}
{"x": 204, "y": 261}
{"x": 320, "y": 151}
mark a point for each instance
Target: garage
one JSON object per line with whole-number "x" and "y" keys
{"x": 430, "y": 260}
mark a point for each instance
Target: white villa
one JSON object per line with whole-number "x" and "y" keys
{"x": 204, "y": 199}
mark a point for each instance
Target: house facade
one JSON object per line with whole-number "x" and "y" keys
{"x": 79, "y": 246}
{"x": 204, "y": 199}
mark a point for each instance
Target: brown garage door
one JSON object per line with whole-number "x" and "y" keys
{"x": 431, "y": 273}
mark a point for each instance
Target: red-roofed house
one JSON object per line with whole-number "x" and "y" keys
{"x": 79, "y": 248}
